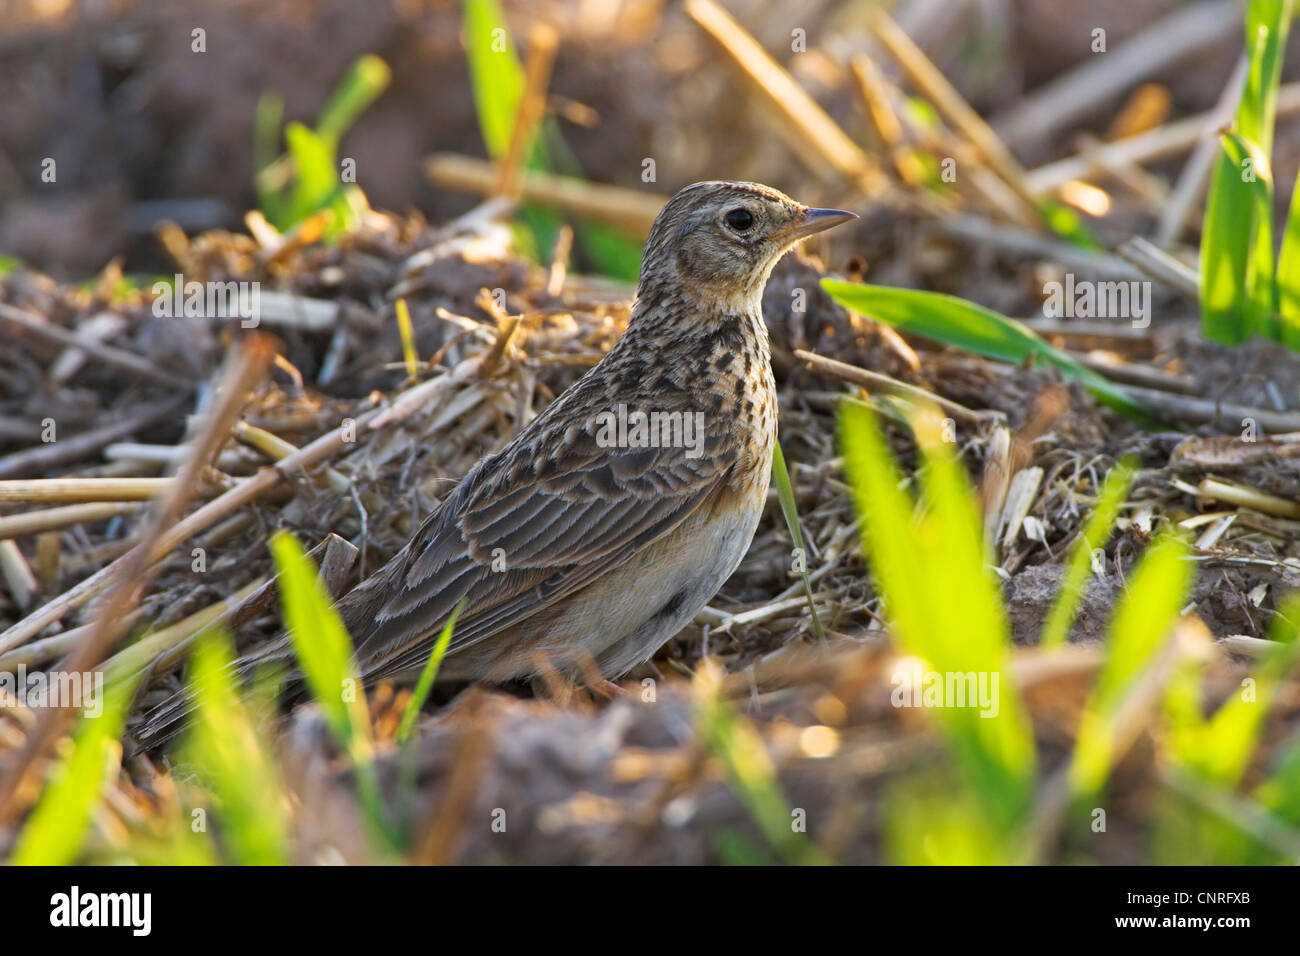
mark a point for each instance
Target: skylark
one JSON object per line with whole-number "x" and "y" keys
{"x": 618, "y": 512}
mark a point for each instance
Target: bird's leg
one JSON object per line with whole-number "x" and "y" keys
{"x": 608, "y": 689}
{"x": 598, "y": 685}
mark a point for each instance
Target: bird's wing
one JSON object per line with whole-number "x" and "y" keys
{"x": 543, "y": 518}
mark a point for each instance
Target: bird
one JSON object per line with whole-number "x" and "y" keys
{"x": 615, "y": 515}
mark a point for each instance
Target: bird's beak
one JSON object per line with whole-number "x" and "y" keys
{"x": 815, "y": 220}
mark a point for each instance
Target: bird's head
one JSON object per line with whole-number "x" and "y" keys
{"x": 721, "y": 240}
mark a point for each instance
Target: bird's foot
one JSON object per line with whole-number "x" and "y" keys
{"x": 608, "y": 689}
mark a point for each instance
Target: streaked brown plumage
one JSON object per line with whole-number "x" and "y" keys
{"x": 569, "y": 550}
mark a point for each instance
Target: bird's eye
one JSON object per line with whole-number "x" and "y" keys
{"x": 740, "y": 219}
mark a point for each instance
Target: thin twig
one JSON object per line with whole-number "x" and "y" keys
{"x": 17, "y": 574}
{"x": 1206, "y": 411}
{"x": 1156, "y": 144}
{"x": 930, "y": 81}
{"x": 241, "y": 494}
{"x": 1085, "y": 330}
{"x": 1159, "y": 264}
{"x": 109, "y": 354}
{"x": 65, "y": 451}
{"x": 1196, "y": 171}
{"x": 884, "y": 383}
{"x": 1128, "y": 373}
{"x": 815, "y": 138}
{"x": 532, "y": 107}
{"x": 1246, "y": 497}
{"x": 976, "y": 229}
{"x": 1148, "y": 187}
{"x": 627, "y": 208}
{"x": 1079, "y": 92}
{"x": 49, "y": 519}
{"x": 1247, "y": 646}
{"x": 278, "y": 449}
{"x": 875, "y": 94}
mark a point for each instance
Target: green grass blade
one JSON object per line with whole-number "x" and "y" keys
{"x": 973, "y": 632}
{"x": 322, "y": 644}
{"x": 497, "y": 81}
{"x": 1095, "y": 533}
{"x": 496, "y": 75}
{"x": 324, "y": 652}
{"x": 1288, "y": 277}
{"x": 611, "y": 251}
{"x": 1219, "y": 748}
{"x": 885, "y": 516}
{"x": 307, "y": 180}
{"x": 1211, "y": 755}
{"x": 967, "y": 325}
{"x": 428, "y": 676}
{"x": 931, "y": 822}
{"x": 54, "y": 832}
{"x": 1260, "y": 284}
{"x": 1267, "y": 24}
{"x": 748, "y": 767}
{"x": 229, "y": 756}
{"x": 364, "y": 82}
{"x": 785, "y": 494}
{"x": 932, "y": 567}
{"x": 1142, "y": 624}
{"x": 1239, "y": 294}
{"x": 1280, "y": 792}
{"x": 315, "y": 178}
{"x": 1225, "y": 243}
{"x": 410, "y": 356}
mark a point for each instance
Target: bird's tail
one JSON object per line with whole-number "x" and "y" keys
{"x": 357, "y": 608}
{"x": 166, "y": 720}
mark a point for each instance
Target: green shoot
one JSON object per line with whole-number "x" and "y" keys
{"x": 785, "y": 493}
{"x": 972, "y": 327}
{"x": 227, "y": 752}
{"x": 409, "y": 355}
{"x": 325, "y": 653}
{"x": 309, "y": 180}
{"x": 1140, "y": 629}
{"x": 1219, "y": 748}
{"x": 54, "y": 832}
{"x": 497, "y": 81}
{"x": 1111, "y": 497}
{"x": 427, "y": 677}
{"x": 1242, "y": 289}
{"x": 1209, "y": 757}
{"x": 748, "y": 768}
{"x": 930, "y": 563}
